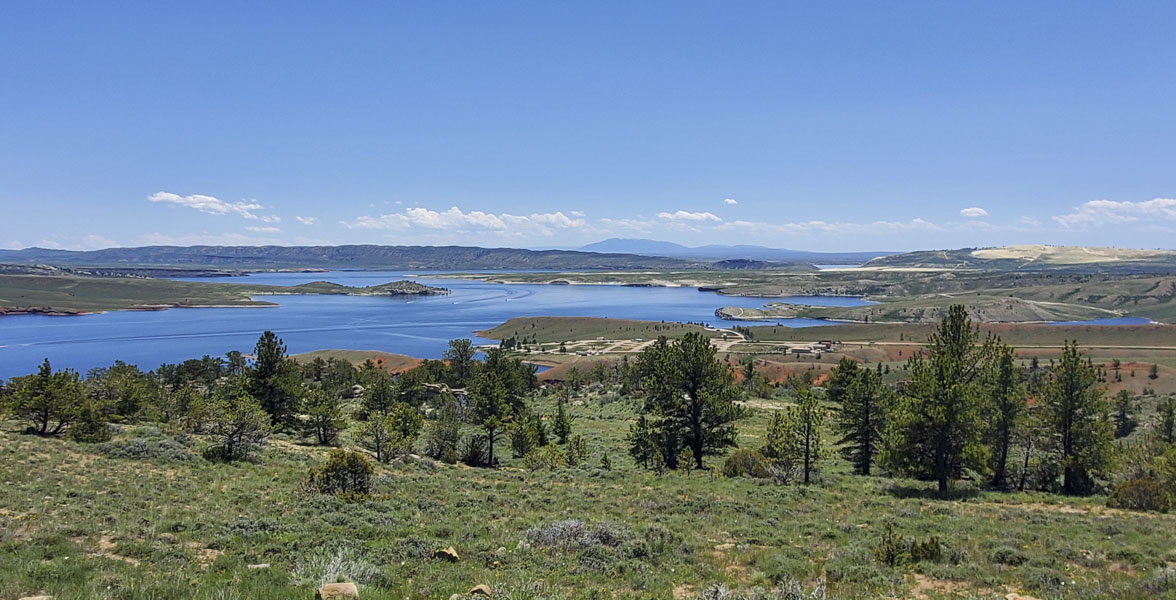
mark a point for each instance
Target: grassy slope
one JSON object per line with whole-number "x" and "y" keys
{"x": 548, "y": 330}
{"x": 393, "y": 363}
{"x": 77, "y": 524}
{"x": 85, "y": 294}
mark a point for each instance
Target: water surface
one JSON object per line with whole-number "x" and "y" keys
{"x": 417, "y": 326}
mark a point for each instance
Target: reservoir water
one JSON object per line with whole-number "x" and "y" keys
{"x": 417, "y": 326}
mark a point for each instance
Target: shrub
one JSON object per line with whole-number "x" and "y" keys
{"x": 1144, "y": 493}
{"x": 573, "y": 534}
{"x": 746, "y": 462}
{"x": 891, "y": 550}
{"x": 548, "y": 457}
{"x": 473, "y": 451}
{"x": 1006, "y": 555}
{"x": 91, "y": 426}
{"x": 346, "y": 473}
{"x": 142, "y": 448}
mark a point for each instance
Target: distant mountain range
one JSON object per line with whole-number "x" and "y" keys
{"x": 718, "y": 252}
{"x": 349, "y": 257}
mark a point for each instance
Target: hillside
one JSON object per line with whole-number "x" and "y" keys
{"x": 725, "y": 252}
{"x": 352, "y": 257}
{"x": 71, "y": 294}
{"x": 1085, "y": 259}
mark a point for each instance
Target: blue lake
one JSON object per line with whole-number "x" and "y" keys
{"x": 418, "y": 327}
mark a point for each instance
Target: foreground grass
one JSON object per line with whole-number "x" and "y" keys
{"x": 85, "y": 521}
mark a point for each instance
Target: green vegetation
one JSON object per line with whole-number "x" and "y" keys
{"x": 78, "y": 294}
{"x": 164, "y": 510}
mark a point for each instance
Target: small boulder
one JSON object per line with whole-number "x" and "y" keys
{"x": 37, "y": 598}
{"x": 481, "y": 589}
{"x": 448, "y": 554}
{"x": 335, "y": 591}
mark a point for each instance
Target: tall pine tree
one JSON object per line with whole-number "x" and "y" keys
{"x": 861, "y": 401}
{"x": 1077, "y": 415}
{"x": 936, "y": 429}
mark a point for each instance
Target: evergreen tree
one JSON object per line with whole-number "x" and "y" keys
{"x": 935, "y": 430}
{"x": 491, "y": 409}
{"x": 693, "y": 396}
{"x": 561, "y": 426}
{"x": 48, "y": 400}
{"x": 1077, "y": 415}
{"x": 809, "y": 415}
{"x": 238, "y": 420}
{"x": 379, "y": 398}
{"x": 1166, "y": 413}
{"x": 1006, "y": 405}
{"x": 274, "y": 380}
{"x": 444, "y": 436}
{"x": 1124, "y": 414}
{"x": 642, "y": 443}
{"x": 324, "y": 417}
{"x": 861, "y": 400}
{"x": 377, "y": 436}
{"x": 461, "y": 362}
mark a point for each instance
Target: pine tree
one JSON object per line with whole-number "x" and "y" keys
{"x": 1166, "y": 417}
{"x": 461, "y": 362}
{"x": 1006, "y": 405}
{"x": 561, "y": 426}
{"x": 860, "y": 419}
{"x": 50, "y": 401}
{"x": 936, "y": 428}
{"x": 692, "y": 395}
{"x": 809, "y": 416}
{"x": 1077, "y": 415}
{"x": 274, "y": 380}
{"x": 1124, "y": 414}
{"x": 238, "y": 421}
{"x": 379, "y": 398}
{"x": 324, "y": 417}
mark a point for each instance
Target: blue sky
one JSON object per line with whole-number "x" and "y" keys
{"x": 826, "y": 126}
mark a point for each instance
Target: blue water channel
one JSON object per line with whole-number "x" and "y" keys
{"x": 417, "y": 326}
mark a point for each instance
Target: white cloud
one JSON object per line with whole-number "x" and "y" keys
{"x": 730, "y": 201}
{"x": 1108, "y": 212}
{"x": 682, "y": 215}
{"x": 456, "y": 220}
{"x": 576, "y": 213}
{"x": 215, "y": 206}
{"x": 307, "y": 220}
{"x": 262, "y": 229}
{"x": 973, "y": 212}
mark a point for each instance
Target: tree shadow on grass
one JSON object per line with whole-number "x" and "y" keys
{"x": 920, "y": 492}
